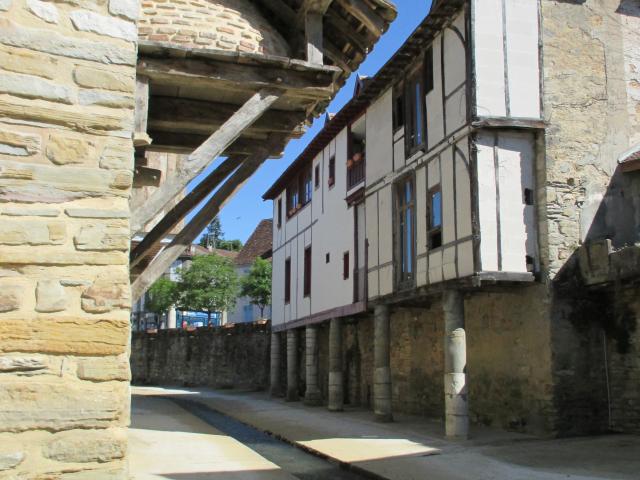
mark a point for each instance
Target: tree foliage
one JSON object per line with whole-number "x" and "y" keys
{"x": 214, "y": 238}
{"x": 209, "y": 284}
{"x": 257, "y": 284}
{"x": 163, "y": 294}
{"x": 231, "y": 245}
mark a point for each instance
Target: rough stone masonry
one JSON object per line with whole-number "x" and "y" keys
{"x": 67, "y": 77}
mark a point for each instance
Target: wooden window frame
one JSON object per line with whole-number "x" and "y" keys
{"x": 287, "y": 281}
{"x": 316, "y": 179}
{"x": 302, "y": 196}
{"x": 434, "y": 231}
{"x": 331, "y": 178}
{"x": 404, "y": 280}
{"x": 429, "y": 77}
{"x": 399, "y": 118}
{"x": 279, "y": 207}
{"x": 416, "y": 77}
{"x": 346, "y": 266}
{"x": 307, "y": 272}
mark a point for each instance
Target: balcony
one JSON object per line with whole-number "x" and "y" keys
{"x": 356, "y": 170}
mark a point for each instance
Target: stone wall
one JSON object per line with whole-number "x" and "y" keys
{"x": 234, "y": 25}
{"x": 67, "y": 78}
{"x": 223, "y": 357}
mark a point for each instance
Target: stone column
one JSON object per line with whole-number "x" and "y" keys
{"x": 292, "y": 365}
{"x": 382, "y": 369}
{"x": 455, "y": 361}
{"x": 274, "y": 367}
{"x": 171, "y": 318}
{"x": 336, "y": 384}
{"x": 312, "y": 393}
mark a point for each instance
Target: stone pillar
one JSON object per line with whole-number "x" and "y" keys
{"x": 292, "y": 365}
{"x": 312, "y": 393}
{"x": 455, "y": 361}
{"x": 382, "y": 369}
{"x": 171, "y": 318}
{"x": 336, "y": 384}
{"x": 275, "y": 364}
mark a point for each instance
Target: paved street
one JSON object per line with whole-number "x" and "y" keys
{"x": 170, "y": 443}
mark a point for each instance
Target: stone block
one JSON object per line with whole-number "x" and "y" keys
{"x": 455, "y": 383}
{"x": 125, "y": 8}
{"x": 10, "y": 298}
{"x": 88, "y": 21}
{"x": 108, "y": 292}
{"x": 9, "y": 460}
{"x": 50, "y": 296}
{"x": 64, "y": 336}
{"x": 56, "y": 404}
{"x": 117, "y": 157}
{"x": 63, "y": 149}
{"x": 86, "y": 446}
{"x": 101, "y": 237}
{"x": 104, "y": 369}
{"x": 31, "y": 256}
{"x": 24, "y": 61}
{"x": 43, "y": 10}
{"x": 28, "y": 86}
{"x": 96, "y": 213}
{"x": 107, "y": 80}
{"x": 21, "y": 364}
{"x": 122, "y": 180}
{"x": 105, "y": 99}
{"x": 48, "y": 41}
{"x": 19, "y": 144}
{"x": 32, "y": 232}
{"x": 29, "y": 212}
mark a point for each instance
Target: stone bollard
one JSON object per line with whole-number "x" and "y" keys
{"x": 336, "y": 384}
{"x": 292, "y": 366}
{"x": 382, "y": 369}
{"x": 312, "y": 395}
{"x": 276, "y": 361}
{"x": 455, "y": 362}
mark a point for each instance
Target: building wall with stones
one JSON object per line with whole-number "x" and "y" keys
{"x": 67, "y": 77}
{"x": 221, "y": 357}
{"x": 233, "y": 25}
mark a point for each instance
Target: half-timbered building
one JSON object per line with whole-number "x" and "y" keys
{"x": 419, "y": 238}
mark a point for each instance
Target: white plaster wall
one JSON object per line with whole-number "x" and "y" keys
{"x": 379, "y": 134}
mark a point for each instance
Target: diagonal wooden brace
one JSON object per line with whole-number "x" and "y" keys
{"x": 195, "y": 163}
{"x": 199, "y": 222}
{"x": 182, "y": 209}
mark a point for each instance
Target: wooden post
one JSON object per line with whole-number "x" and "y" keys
{"x": 140, "y": 137}
{"x": 182, "y": 209}
{"x": 212, "y": 148}
{"x": 314, "y": 36}
{"x": 191, "y": 231}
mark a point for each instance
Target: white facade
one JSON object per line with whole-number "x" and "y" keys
{"x": 476, "y": 161}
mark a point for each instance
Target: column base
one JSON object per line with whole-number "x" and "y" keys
{"x": 292, "y": 396}
{"x": 313, "y": 399}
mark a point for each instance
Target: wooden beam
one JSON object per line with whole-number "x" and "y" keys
{"x": 140, "y": 136}
{"x": 200, "y": 117}
{"x": 281, "y": 10}
{"x": 182, "y": 209}
{"x": 212, "y": 148}
{"x": 314, "y": 36}
{"x": 357, "y": 41}
{"x": 190, "y": 232}
{"x": 364, "y": 13}
{"x": 185, "y": 144}
{"x": 213, "y": 73}
{"x": 337, "y": 57}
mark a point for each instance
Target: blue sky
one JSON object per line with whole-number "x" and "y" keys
{"x": 242, "y": 213}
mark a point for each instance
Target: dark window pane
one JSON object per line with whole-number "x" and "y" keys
{"x": 287, "y": 280}
{"x": 436, "y": 209}
{"x": 307, "y": 272}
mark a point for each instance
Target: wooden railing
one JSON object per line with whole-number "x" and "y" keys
{"x": 355, "y": 173}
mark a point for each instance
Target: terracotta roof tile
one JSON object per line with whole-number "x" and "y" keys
{"x": 260, "y": 244}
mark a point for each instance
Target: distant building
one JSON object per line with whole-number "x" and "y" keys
{"x": 259, "y": 245}
{"x": 141, "y": 318}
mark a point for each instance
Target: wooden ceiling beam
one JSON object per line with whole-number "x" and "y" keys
{"x": 364, "y": 13}
{"x": 206, "y": 153}
{"x": 232, "y": 76}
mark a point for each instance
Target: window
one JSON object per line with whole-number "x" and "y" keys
{"x": 398, "y": 107}
{"x": 435, "y": 218}
{"x": 327, "y": 258}
{"x": 332, "y": 171}
{"x": 287, "y": 280}
{"x": 299, "y": 192}
{"x": 307, "y": 271}
{"x": 428, "y": 71}
{"x": 345, "y": 265}
{"x": 279, "y": 212}
{"x": 415, "y": 112}
{"x": 405, "y": 232}
{"x": 317, "y": 177}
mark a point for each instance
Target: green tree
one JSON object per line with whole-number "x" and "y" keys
{"x": 209, "y": 284}
{"x": 257, "y": 284}
{"x": 214, "y": 234}
{"x": 231, "y": 245}
{"x": 162, "y": 295}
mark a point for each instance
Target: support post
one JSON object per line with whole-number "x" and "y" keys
{"x": 336, "y": 383}
{"x": 314, "y": 37}
{"x": 292, "y": 365}
{"x": 276, "y": 360}
{"x": 382, "y": 362}
{"x": 312, "y": 395}
{"x": 140, "y": 136}
{"x": 455, "y": 361}
{"x": 171, "y": 318}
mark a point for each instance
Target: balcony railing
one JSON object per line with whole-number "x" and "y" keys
{"x": 355, "y": 171}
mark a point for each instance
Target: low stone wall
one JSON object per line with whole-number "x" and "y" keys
{"x": 223, "y": 357}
